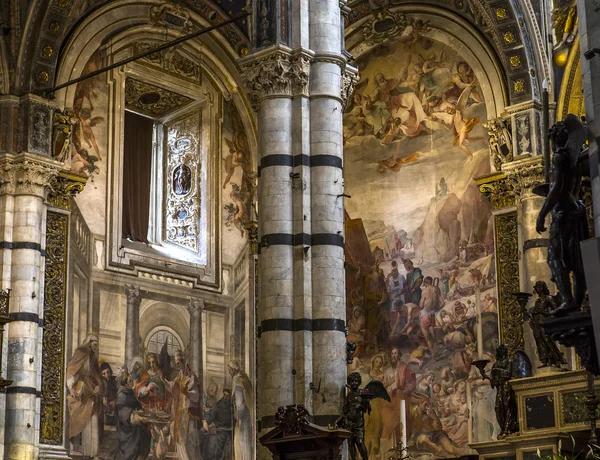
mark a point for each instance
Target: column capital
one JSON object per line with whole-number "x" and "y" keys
{"x": 524, "y": 175}
{"x": 276, "y": 72}
{"x": 133, "y": 293}
{"x": 63, "y": 187}
{"x": 196, "y": 306}
{"x": 26, "y": 174}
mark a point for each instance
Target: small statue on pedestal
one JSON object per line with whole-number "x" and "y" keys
{"x": 353, "y": 413}
{"x": 506, "y": 401}
{"x": 547, "y": 350}
{"x": 569, "y": 222}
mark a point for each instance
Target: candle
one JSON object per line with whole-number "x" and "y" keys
{"x": 403, "y": 420}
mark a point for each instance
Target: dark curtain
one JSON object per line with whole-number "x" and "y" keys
{"x": 137, "y": 172}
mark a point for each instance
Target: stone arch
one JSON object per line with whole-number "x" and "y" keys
{"x": 499, "y": 25}
{"x": 155, "y": 315}
{"x": 49, "y": 26}
{"x": 446, "y": 26}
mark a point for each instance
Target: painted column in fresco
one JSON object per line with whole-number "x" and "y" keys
{"x": 327, "y": 210}
{"x": 132, "y": 331}
{"x": 24, "y": 186}
{"x": 196, "y": 307}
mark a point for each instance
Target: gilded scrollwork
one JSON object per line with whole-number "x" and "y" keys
{"x": 64, "y": 187}
{"x": 53, "y": 385}
{"x": 507, "y": 267}
{"x": 498, "y": 190}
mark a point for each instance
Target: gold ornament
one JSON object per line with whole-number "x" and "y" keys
{"x": 519, "y": 86}
{"x": 509, "y": 37}
{"x": 54, "y": 26}
{"x": 501, "y": 13}
{"x": 515, "y": 61}
{"x": 47, "y": 51}
{"x": 44, "y": 76}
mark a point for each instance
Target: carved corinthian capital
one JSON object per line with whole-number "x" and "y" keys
{"x": 26, "y": 174}
{"x": 276, "y": 73}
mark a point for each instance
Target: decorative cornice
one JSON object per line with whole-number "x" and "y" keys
{"x": 525, "y": 174}
{"x": 26, "y": 174}
{"x": 64, "y": 187}
{"x": 276, "y": 73}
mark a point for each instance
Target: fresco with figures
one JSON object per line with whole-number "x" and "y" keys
{"x": 420, "y": 277}
{"x": 153, "y": 405}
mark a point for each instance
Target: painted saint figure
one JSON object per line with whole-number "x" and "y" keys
{"x": 218, "y": 427}
{"x": 414, "y": 278}
{"x": 242, "y": 397}
{"x": 186, "y": 410}
{"x": 133, "y": 434}
{"x": 84, "y": 383}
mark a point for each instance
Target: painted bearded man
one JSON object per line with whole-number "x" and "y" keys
{"x": 85, "y": 386}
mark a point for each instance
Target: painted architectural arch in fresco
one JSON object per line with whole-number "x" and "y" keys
{"x": 421, "y": 296}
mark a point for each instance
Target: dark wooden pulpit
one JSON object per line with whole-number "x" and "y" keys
{"x": 296, "y": 438}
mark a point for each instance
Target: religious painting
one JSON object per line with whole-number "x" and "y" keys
{"x": 420, "y": 277}
{"x": 239, "y": 182}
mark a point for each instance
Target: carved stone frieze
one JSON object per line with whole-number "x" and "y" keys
{"x": 171, "y": 15}
{"x": 26, "y": 174}
{"x": 53, "y": 354}
{"x": 278, "y": 73}
{"x": 350, "y": 79}
{"x": 523, "y": 175}
{"x": 152, "y": 100}
{"x": 171, "y": 61}
{"x": 384, "y": 26}
{"x": 64, "y": 187}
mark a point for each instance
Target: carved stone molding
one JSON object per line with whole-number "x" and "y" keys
{"x": 26, "y": 174}
{"x": 350, "y": 79}
{"x": 523, "y": 175}
{"x": 278, "y": 73}
{"x": 171, "y": 15}
{"x": 252, "y": 229}
{"x": 63, "y": 187}
{"x": 152, "y": 100}
{"x": 171, "y": 61}
{"x": 384, "y": 26}
{"x": 500, "y": 141}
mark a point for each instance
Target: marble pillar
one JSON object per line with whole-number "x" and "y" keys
{"x": 327, "y": 216}
{"x": 195, "y": 308}
{"x": 24, "y": 184}
{"x": 132, "y": 331}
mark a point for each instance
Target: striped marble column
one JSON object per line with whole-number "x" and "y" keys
{"x": 269, "y": 77}
{"x": 327, "y": 210}
{"x": 26, "y": 178}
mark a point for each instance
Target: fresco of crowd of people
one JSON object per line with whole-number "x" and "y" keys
{"x": 156, "y": 411}
{"x": 419, "y": 339}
